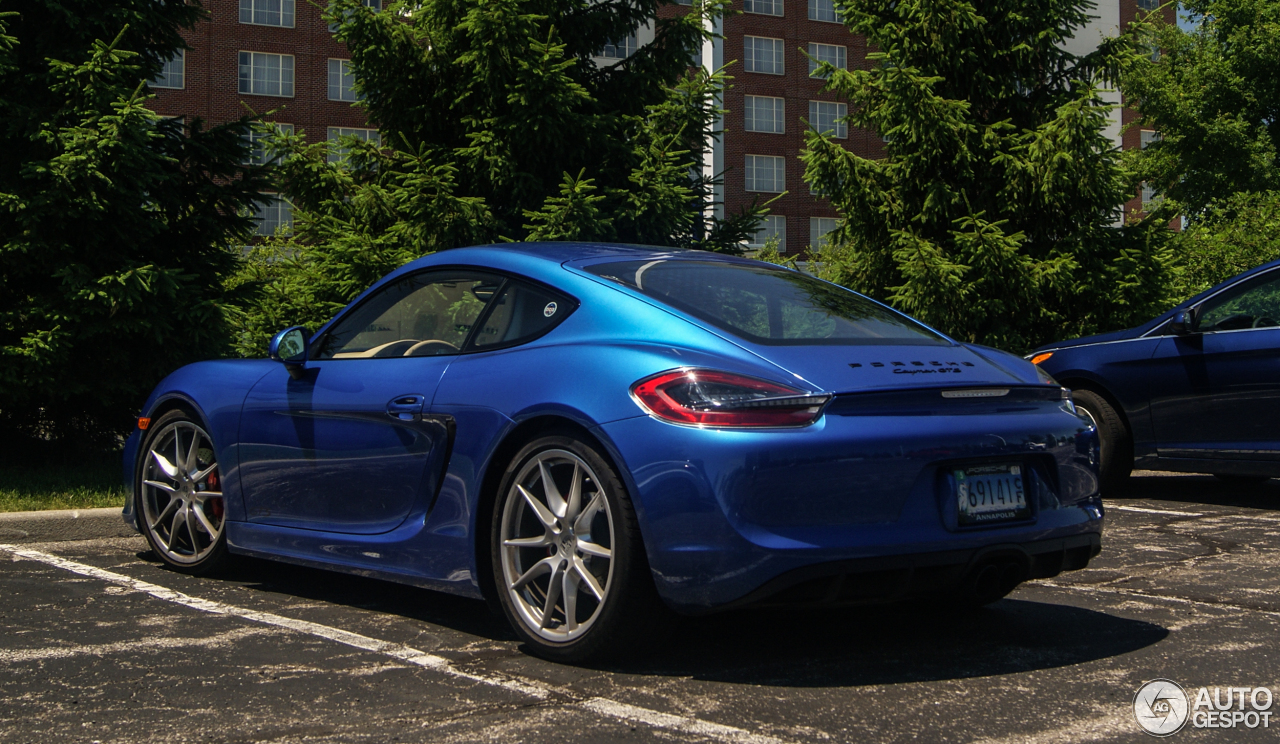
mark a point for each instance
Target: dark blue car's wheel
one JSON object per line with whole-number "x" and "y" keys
{"x": 1115, "y": 443}
{"x": 179, "y": 495}
{"x": 568, "y": 560}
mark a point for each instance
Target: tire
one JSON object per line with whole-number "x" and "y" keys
{"x": 579, "y": 551}
{"x": 177, "y": 496}
{"x": 1116, "y": 443}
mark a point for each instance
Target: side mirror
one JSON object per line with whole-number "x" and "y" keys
{"x": 1184, "y": 322}
{"x": 289, "y": 347}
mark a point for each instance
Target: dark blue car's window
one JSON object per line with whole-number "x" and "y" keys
{"x": 1252, "y": 304}
{"x": 767, "y": 305}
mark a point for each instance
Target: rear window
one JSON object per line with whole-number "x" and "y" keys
{"x": 767, "y": 305}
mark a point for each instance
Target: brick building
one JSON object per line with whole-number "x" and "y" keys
{"x": 275, "y": 57}
{"x": 279, "y": 56}
{"x": 773, "y": 91}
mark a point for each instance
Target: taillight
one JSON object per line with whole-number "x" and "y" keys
{"x": 711, "y": 398}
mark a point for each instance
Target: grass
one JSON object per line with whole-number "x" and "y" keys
{"x": 74, "y": 483}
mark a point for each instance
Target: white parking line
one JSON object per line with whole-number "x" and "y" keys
{"x": 1159, "y": 597}
{"x": 410, "y": 655}
{"x": 1156, "y": 511}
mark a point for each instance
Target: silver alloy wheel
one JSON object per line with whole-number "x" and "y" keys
{"x": 557, "y": 546}
{"x": 181, "y": 494}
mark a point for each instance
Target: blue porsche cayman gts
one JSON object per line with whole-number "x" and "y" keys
{"x": 586, "y": 433}
{"x": 1196, "y": 389}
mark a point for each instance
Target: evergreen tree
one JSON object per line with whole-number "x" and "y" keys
{"x": 511, "y": 95}
{"x": 117, "y": 228}
{"x": 993, "y": 213}
{"x": 497, "y": 122}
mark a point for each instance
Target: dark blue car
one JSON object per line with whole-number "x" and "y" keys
{"x": 584, "y": 433}
{"x": 1195, "y": 390}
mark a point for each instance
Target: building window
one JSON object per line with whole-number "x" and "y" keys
{"x": 823, "y": 10}
{"x": 1147, "y": 6}
{"x": 1149, "y": 195}
{"x": 260, "y": 141}
{"x": 763, "y": 114}
{"x": 763, "y": 55}
{"x": 174, "y": 72}
{"x": 818, "y": 229}
{"x": 337, "y": 152}
{"x": 773, "y": 226}
{"x": 274, "y": 214}
{"x": 829, "y": 117}
{"x": 763, "y": 7}
{"x": 267, "y": 12}
{"x": 766, "y": 173}
{"x": 342, "y": 83}
{"x": 375, "y": 4}
{"x": 266, "y": 74}
{"x": 621, "y": 49}
{"x": 829, "y": 53}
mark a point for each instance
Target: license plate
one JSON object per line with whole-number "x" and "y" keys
{"x": 991, "y": 493}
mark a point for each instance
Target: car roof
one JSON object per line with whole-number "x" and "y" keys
{"x": 544, "y": 261}
{"x": 552, "y": 252}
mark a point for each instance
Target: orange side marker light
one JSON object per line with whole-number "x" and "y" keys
{"x": 143, "y": 423}
{"x": 1041, "y": 357}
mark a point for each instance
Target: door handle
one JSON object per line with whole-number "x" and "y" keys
{"x": 406, "y": 407}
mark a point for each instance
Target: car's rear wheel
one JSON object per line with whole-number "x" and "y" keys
{"x": 1115, "y": 442}
{"x": 179, "y": 495}
{"x": 569, "y": 562}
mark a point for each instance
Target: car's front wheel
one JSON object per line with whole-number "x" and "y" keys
{"x": 1115, "y": 443}
{"x": 569, "y": 563}
{"x": 178, "y": 495}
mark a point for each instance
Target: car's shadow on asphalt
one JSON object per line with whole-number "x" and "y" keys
{"x": 1198, "y": 489}
{"x": 803, "y": 647}
{"x": 839, "y": 647}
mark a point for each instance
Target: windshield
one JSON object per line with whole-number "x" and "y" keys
{"x": 767, "y": 305}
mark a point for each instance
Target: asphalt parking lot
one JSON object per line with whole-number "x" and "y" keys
{"x": 98, "y": 642}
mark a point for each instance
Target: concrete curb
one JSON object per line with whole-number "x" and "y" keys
{"x": 63, "y": 525}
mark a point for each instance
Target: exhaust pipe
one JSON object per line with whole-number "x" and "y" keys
{"x": 994, "y": 579}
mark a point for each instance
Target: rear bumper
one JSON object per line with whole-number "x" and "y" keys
{"x": 895, "y": 578}
{"x": 732, "y": 517}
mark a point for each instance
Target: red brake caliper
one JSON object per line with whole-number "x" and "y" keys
{"x": 215, "y": 505}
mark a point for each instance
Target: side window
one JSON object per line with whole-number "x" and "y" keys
{"x": 521, "y": 311}
{"x": 427, "y": 314}
{"x": 1255, "y": 304}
